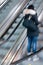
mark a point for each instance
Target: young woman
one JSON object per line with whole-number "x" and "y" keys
{"x": 31, "y": 15}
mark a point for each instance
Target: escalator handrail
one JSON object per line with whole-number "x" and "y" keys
{"x": 3, "y": 3}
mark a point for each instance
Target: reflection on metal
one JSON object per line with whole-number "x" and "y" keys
{"x": 3, "y": 2}
{"x": 40, "y": 17}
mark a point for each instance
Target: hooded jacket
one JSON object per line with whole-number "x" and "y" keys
{"x": 27, "y": 13}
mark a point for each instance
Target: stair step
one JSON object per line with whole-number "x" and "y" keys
{"x": 14, "y": 25}
{"x": 6, "y": 36}
{"x": 21, "y": 15}
{"x": 18, "y": 20}
{"x": 3, "y": 51}
{"x": 13, "y": 37}
{"x": 7, "y": 45}
{"x": 10, "y": 30}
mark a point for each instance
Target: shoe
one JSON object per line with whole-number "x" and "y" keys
{"x": 29, "y": 59}
{"x": 35, "y": 58}
{"x": 29, "y": 53}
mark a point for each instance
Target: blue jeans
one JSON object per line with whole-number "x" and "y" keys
{"x": 32, "y": 43}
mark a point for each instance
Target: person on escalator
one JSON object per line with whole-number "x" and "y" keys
{"x": 30, "y": 16}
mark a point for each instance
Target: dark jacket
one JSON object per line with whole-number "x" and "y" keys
{"x": 30, "y": 32}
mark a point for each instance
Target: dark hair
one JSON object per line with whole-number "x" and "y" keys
{"x": 30, "y": 7}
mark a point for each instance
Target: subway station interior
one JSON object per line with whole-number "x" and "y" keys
{"x": 13, "y": 35}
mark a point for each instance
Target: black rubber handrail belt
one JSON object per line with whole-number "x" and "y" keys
{"x": 15, "y": 29}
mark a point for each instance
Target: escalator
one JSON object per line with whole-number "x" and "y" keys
{"x": 14, "y": 38}
{"x": 11, "y": 40}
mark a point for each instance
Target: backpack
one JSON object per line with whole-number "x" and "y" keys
{"x": 29, "y": 24}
